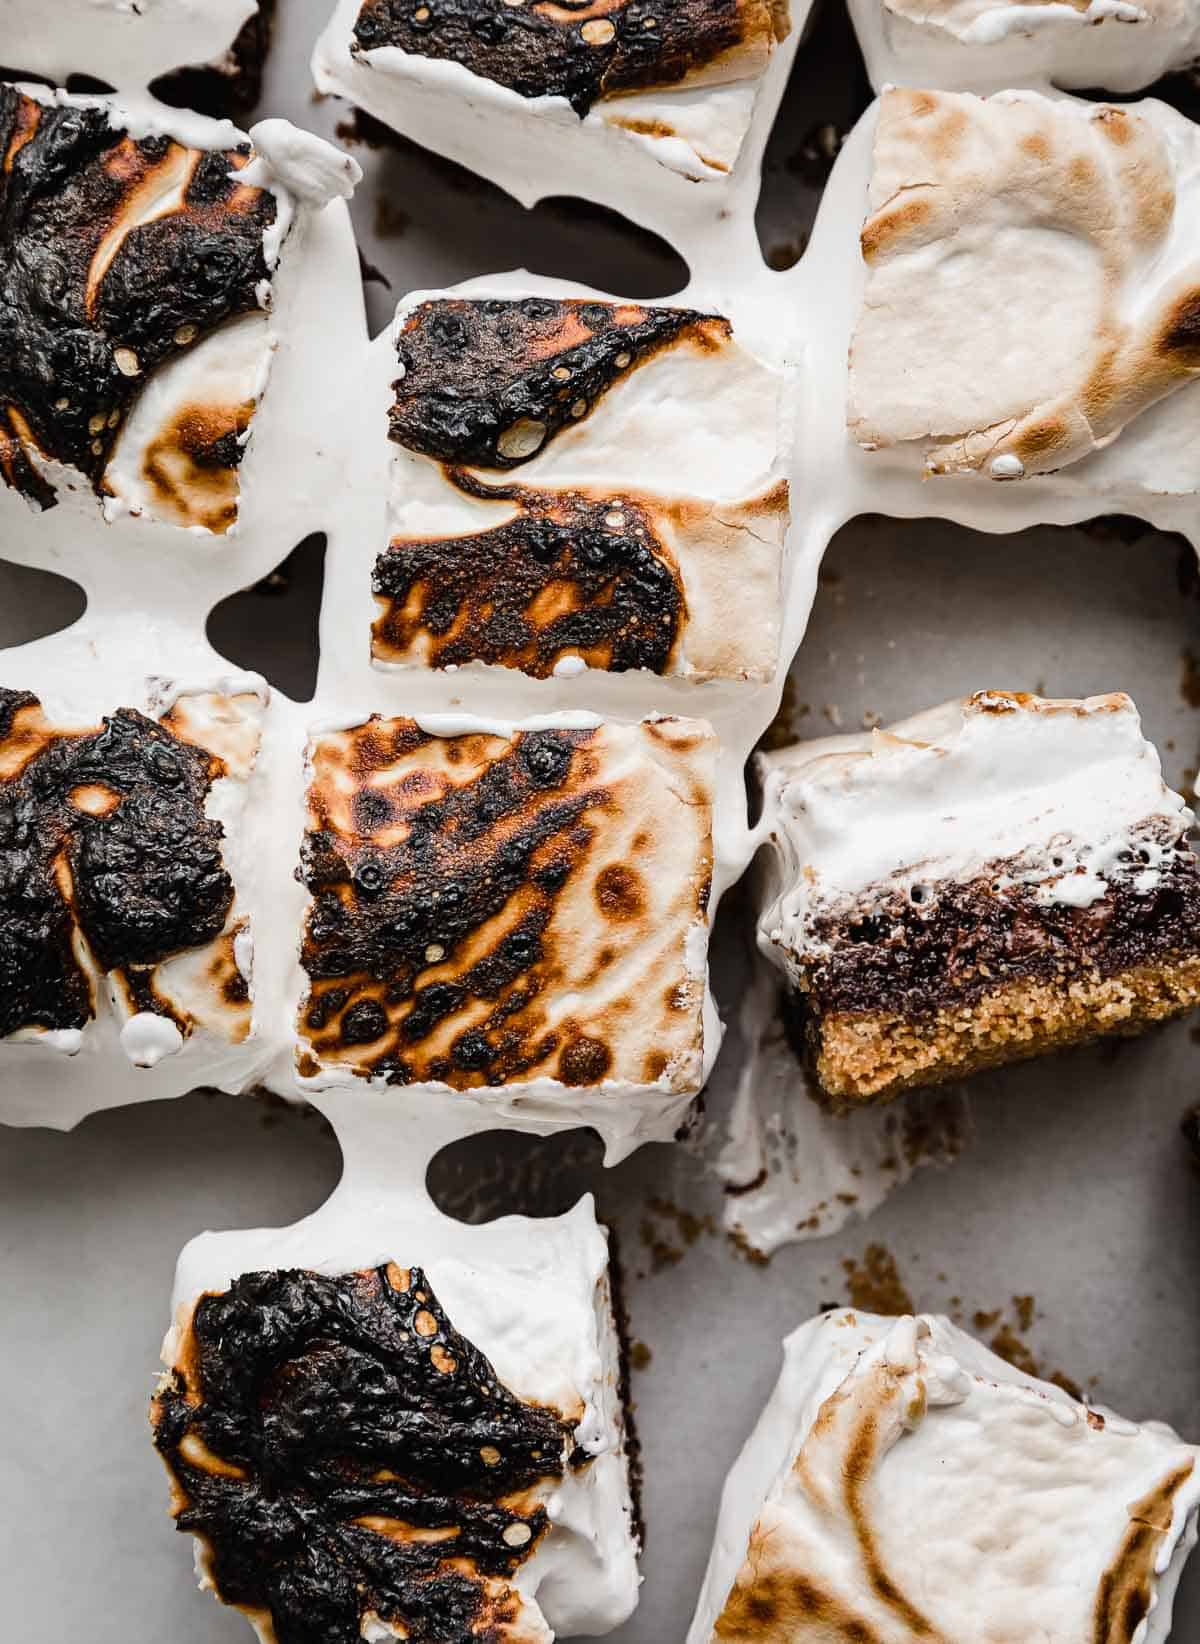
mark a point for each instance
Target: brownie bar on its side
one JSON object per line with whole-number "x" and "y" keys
{"x": 971, "y": 978}
{"x": 1001, "y": 876}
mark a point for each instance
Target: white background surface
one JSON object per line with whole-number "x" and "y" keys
{"x": 1076, "y": 1188}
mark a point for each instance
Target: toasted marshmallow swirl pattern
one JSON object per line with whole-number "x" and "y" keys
{"x": 579, "y": 557}
{"x": 905, "y": 1484}
{"x": 1007, "y": 198}
{"x": 490, "y": 911}
{"x": 95, "y": 219}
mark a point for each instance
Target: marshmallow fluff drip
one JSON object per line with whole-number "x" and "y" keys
{"x": 905, "y": 1484}
{"x": 1062, "y": 796}
{"x": 987, "y": 45}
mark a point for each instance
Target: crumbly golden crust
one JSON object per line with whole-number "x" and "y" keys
{"x": 865, "y": 1056}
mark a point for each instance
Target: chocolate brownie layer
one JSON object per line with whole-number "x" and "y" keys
{"x": 948, "y": 942}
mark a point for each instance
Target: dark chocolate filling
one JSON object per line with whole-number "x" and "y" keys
{"x": 84, "y": 325}
{"x": 490, "y": 383}
{"x": 477, "y": 594}
{"x": 949, "y": 942}
{"x": 142, "y": 880}
{"x": 330, "y": 1401}
{"x": 536, "y": 53}
{"x": 382, "y": 915}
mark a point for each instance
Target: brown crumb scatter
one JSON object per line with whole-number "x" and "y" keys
{"x": 874, "y": 1284}
{"x": 986, "y": 1321}
{"x": 639, "y": 1355}
{"x": 662, "y": 1254}
{"x": 1025, "y": 1308}
{"x": 1061, "y": 1379}
{"x": 784, "y": 728}
{"x": 1006, "y": 1344}
{"x": 750, "y": 1252}
{"x": 690, "y": 1226}
{"x": 1189, "y": 682}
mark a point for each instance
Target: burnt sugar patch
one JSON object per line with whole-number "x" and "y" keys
{"x": 427, "y": 943}
{"x": 569, "y": 574}
{"x": 347, "y": 1456}
{"x": 492, "y": 382}
{"x": 548, "y": 50}
{"x": 104, "y": 837}
{"x": 116, "y": 255}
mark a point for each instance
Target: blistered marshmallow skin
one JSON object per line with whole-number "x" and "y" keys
{"x": 125, "y": 43}
{"x": 988, "y": 45}
{"x": 1054, "y": 791}
{"x": 532, "y": 1295}
{"x": 904, "y": 1483}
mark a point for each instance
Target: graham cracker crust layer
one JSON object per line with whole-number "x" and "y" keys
{"x": 872, "y": 1056}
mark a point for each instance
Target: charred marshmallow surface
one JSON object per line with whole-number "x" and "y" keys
{"x": 600, "y": 98}
{"x": 490, "y": 910}
{"x": 581, "y": 53}
{"x": 352, "y": 1466}
{"x": 1001, "y": 847}
{"x": 906, "y": 1486}
{"x": 977, "y": 209}
{"x": 110, "y": 868}
{"x": 579, "y": 559}
{"x": 488, "y": 383}
{"x": 120, "y": 258}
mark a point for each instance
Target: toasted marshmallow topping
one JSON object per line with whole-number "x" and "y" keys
{"x": 620, "y": 99}
{"x": 120, "y": 918}
{"x": 595, "y": 520}
{"x": 500, "y": 910}
{"x": 148, "y": 394}
{"x": 528, "y": 1299}
{"x": 979, "y": 208}
{"x": 1066, "y": 797}
{"x": 905, "y": 1484}
{"x": 987, "y": 45}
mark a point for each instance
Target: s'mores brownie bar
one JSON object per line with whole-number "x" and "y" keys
{"x": 998, "y": 877}
{"x": 1034, "y": 263}
{"x": 124, "y": 938}
{"x": 435, "y": 1453}
{"x": 627, "y": 101}
{"x": 208, "y": 56}
{"x": 138, "y": 252}
{"x": 557, "y": 503}
{"x": 987, "y": 45}
{"x": 521, "y": 913}
{"x": 905, "y": 1485}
